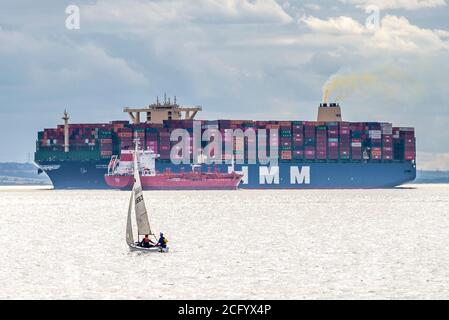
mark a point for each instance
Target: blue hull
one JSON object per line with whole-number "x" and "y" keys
{"x": 291, "y": 175}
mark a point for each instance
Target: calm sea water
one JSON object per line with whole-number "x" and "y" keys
{"x": 243, "y": 244}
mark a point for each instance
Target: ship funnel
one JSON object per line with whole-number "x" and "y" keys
{"x": 329, "y": 112}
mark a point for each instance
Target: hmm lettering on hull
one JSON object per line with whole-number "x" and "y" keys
{"x": 300, "y": 177}
{"x": 271, "y": 175}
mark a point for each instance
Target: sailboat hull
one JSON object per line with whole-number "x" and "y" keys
{"x": 152, "y": 249}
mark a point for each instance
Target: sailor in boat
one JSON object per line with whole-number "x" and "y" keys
{"x": 147, "y": 243}
{"x": 142, "y": 221}
{"x": 162, "y": 243}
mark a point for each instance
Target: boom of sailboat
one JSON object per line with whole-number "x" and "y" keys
{"x": 142, "y": 220}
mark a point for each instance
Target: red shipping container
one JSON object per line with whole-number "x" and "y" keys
{"x": 106, "y": 153}
{"x": 321, "y": 155}
{"x": 106, "y": 147}
{"x": 356, "y": 154}
{"x": 286, "y": 155}
{"x": 387, "y": 156}
{"x": 376, "y": 153}
{"x": 309, "y": 153}
{"x": 125, "y": 134}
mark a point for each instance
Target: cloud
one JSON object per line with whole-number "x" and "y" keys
{"x": 312, "y": 6}
{"x": 397, "y": 4}
{"x": 442, "y": 33}
{"x": 146, "y": 13}
{"x": 398, "y": 34}
{"x": 345, "y": 25}
{"x": 395, "y": 34}
{"x": 13, "y": 41}
{"x": 68, "y": 62}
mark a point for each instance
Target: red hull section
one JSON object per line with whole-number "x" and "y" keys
{"x": 178, "y": 181}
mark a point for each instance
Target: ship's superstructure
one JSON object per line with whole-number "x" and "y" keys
{"x": 157, "y": 113}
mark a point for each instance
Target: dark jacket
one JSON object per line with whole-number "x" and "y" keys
{"x": 162, "y": 242}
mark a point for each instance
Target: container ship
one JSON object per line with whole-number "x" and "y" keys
{"x": 325, "y": 154}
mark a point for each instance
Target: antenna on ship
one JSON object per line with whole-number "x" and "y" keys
{"x": 66, "y": 131}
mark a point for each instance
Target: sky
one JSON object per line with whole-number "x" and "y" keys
{"x": 384, "y": 60}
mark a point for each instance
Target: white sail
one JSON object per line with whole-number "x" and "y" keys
{"x": 129, "y": 228}
{"x": 143, "y": 224}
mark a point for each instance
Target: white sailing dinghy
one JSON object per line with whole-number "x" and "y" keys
{"x": 142, "y": 221}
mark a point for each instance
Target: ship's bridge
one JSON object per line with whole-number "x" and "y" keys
{"x": 158, "y": 112}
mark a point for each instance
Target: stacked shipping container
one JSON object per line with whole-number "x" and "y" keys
{"x": 408, "y": 136}
{"x": 357, "y": 136}
{"x": 309, "y": 140}
{"x": 296, "y": 140}
{"x": 285, "y": 140}
{"x": 332, "y": 140}
{"x": 344, "y": 141}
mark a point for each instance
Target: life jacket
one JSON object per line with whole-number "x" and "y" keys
{"x": 162, "y": 241}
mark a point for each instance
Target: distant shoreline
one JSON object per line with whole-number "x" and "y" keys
{"x": 22, "y": 174}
